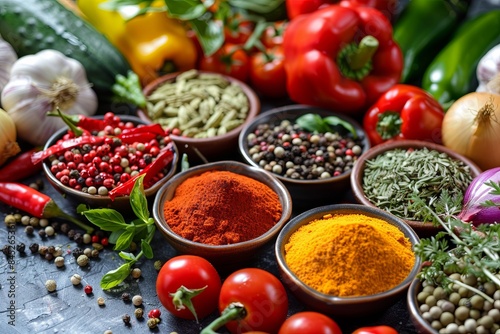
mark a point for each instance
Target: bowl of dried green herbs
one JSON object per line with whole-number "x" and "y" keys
{"x": 390, "y": 176}
{"x": 203, "y": 112}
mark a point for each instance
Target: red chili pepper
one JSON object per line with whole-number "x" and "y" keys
{"x": 376, "y": 330}
{"x": 88, "y": 123}
{"x": 20, "y": 167}
{"x": 31, "y": 201}
{"x": 404, "y": 112}
{"x": 164, "y": 158}
{"x": 141, "y": 134}
{"x": 351, "y": 61}
{"x": 64, "y": 145}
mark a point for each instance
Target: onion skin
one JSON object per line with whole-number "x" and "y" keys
{"x": 476, "y": 194}
{"x": 471, "y": 127}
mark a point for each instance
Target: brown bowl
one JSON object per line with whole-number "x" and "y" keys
{"x": 221, "y": 254}
{"x": 423, "y": 229}
{"x": 211, "y": 148}
{"x": 420, "y": 323}
{"x": 342, "y": 306}
{"x": 121, "y": 203}
{"x": 306, "y": 194}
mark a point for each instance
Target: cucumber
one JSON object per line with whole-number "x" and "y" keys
{"x": 34, "y": 25}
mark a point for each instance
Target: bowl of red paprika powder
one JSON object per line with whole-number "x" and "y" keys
{"x": 347, "y": 259}
{"x": 224, "y": 211}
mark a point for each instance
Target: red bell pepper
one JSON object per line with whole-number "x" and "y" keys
{"x": 376, "y": 330}
{"x": 341, "y": 57}
{"x": 404, "y": 112}
{"x": 295, "y": 8}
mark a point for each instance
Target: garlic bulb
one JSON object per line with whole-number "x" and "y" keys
{"x": 8, "y": 144}
{"x": 488, "y": 71}
{"x": 7, "y": 58}
{"x": 39, "y": 84}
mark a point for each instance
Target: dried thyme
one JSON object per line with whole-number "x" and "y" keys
{"x": 393, "y": 178}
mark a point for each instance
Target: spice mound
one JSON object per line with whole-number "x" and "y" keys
{"x": 349, "y": 255}
{"x": 221, "y": 208}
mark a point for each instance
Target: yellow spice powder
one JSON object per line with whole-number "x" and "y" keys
{"x": 349, "y": 255}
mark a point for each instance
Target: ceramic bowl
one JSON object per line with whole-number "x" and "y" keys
{"x": 423, "y": 229}
{"x": 221, "y": 254}
{"x": 121, "y": 203}
{"x": 420, "y": 323}
{"x": 305, "y": 194}
{"x": 211, "y": 148}
{"x": 334, "y": 305}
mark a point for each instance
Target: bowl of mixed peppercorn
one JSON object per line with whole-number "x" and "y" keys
{"x": 393, "y": 175}
{"x": 97, "y": 160}
{"x": 311, "y": 150}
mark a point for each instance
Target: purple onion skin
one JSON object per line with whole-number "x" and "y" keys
{"x": 476, "y": 194}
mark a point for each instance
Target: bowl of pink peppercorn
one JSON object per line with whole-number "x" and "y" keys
{"x": 99, "y": 167}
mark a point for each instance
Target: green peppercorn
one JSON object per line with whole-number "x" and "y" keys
{"x": 477, "y": 302}
{"x": 447, "y": 318}
{"x": 462, "y": 313}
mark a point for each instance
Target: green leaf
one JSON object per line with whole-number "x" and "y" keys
{"x": 106, "y": 219}
{"x": 114, "y": 277}
{"x": 210, "y": 35}
{"x": 186, "y": 9}
{"x": 81, "y": 208}
{"x": 146, "y": 249}
{"x": 138, "y": 200}
{"x": 127, "y": 256}
{"x": 125, "y": 238}
{"x": 311, "y": 122}
{"x": 336, "y": 121}
{"x": 113, "y": 237}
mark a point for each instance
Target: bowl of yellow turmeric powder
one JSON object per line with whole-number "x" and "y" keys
{"x": 347, "y": 259}
{"x": 224, "y": 211}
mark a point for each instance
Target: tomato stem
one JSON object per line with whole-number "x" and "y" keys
{"x": 182, "y": 299}
{"x": 234, "y": 311}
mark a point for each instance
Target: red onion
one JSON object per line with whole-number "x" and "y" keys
{"x": 477, "y": 194}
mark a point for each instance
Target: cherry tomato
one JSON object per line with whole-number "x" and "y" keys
{"x": 237, "y": 29}
{"x": 230, "y": 60}
{"x": 267, "y": 72}
{"x": 376, "y": 330}
{"x": 273, "y": 34}
{"x": 192, "y": 273}
{"x": 309, "y": 322}
{"x": 262, "y": 296}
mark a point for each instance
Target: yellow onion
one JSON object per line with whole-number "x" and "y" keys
{"x": 8, "y": 144}
{"x": 471, "y": 127}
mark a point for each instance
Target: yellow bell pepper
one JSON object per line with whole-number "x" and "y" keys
{"x": 153, "y": 44}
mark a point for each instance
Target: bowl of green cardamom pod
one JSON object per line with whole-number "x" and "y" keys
{"x": 347, "y": 260}
{"x": 394, "y": 175}
{"x": 203, "y": 112}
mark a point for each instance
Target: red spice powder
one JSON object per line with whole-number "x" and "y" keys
{"x": 222, "y": 207}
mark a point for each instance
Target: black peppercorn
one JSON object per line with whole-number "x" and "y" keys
{"x": 77, "y": 252}
{"x": 21, "y": 247}
{"x": 78, "y": 238}
{"x": 7, "y": 250}
{"x": 126, "y": 297}
{"x": 56, "y": 226}
{"x": 65, "y": 228}
{"x": 49, "y": 257}
{"x": 42, "y": 233}
{"x": 51, "y": 249}
{"x": 34, "y": 248}
{"x": 71, "y": 234}
{"x": 126, "y": 319}
{"x": 29, "y": 230}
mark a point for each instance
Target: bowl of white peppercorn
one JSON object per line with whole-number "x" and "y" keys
{"x": 310, "y": 149}
{"x": 203, "y": 112}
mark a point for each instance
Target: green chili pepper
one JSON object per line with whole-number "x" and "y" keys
{"x": 423, "y": 28}
{"x": 451, "y": 74}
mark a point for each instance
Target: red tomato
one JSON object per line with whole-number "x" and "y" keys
{"x": 376, "y": 330}
{"x": 309, "y": 322}
{"x": 273, "y": 34}
{"x": 192, "y": 272}
{"x": 238, "y": 29}
{"x": 261, "y": 294}
{"x": 230, "y": 60}
{"x": 267, "y": 72}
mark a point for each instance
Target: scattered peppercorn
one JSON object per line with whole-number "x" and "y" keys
{"x": 51, "y": 285}
{"x": 25, "y": 220}
{"x": 7, "y": 250}
{"x": 21, "y": 247}
{"x": 49, "y": 256}
{"x": 154, "y": 313}
{"x": 29, "y": 230}
{"x": 10, "y": 220}
{"x": 153, "y": 322}
{"x": 88, "y": 289}
{"x": 126, "y": 297}
{"x": 94, "y": 253}
{"x": 87, "y": 239}
{"x": 34, "y": 248}
{"x": 42, "y": 250}
{"x": 51, "y": 249}
{"x": 78, "y": 238}
{"x": 59, "y": 262}
{"x": 82, "y": 260}
{"x": 34, "y": 221}
{"x": 49, "y": 230}
{"x": 42, "y": 233}
{"x": 57, "y": 251}
{"x": 77, "y": 252}
{"x": 158, "y": 264}
{"x": 126, "y": 319}
{"x": 136, "y": 273}
{"x": 137, "y": 300}
{"x": 104, "y": 242}
{"x": 43, "y": 222}
{"x": 65, "y": 228}
{"x": 139, "y": 313}
{"x": 101, "y": 301}
{"x": 75, "y": 279}
{"x": 71, "y": 234}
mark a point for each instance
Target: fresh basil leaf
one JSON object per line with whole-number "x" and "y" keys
{"x": 335, "y": 121}
{"x": 127, "y": 256}
{"x": 106, "y": 219}
{"x": 81, "y": 208}
{"x": 311, "y": 122}
{"x": 113, "y": 237}
{"x": 210, "y": 35}
{"x": 114, "y": 277}
{"x": 125, "y": 238}
{"x": 138, "y": 200}
{"x": 146, "y": 249}
{"x": 186, "y": 9}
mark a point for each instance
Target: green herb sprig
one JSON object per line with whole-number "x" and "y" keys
{"x": 122, "y": 234}
{"x": 315, "y": 123}
{"x": 475, "y": 250}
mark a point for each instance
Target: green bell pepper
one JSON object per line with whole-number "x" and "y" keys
{"x": 423, "y": 28}
{"x": 451, "y": 74}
